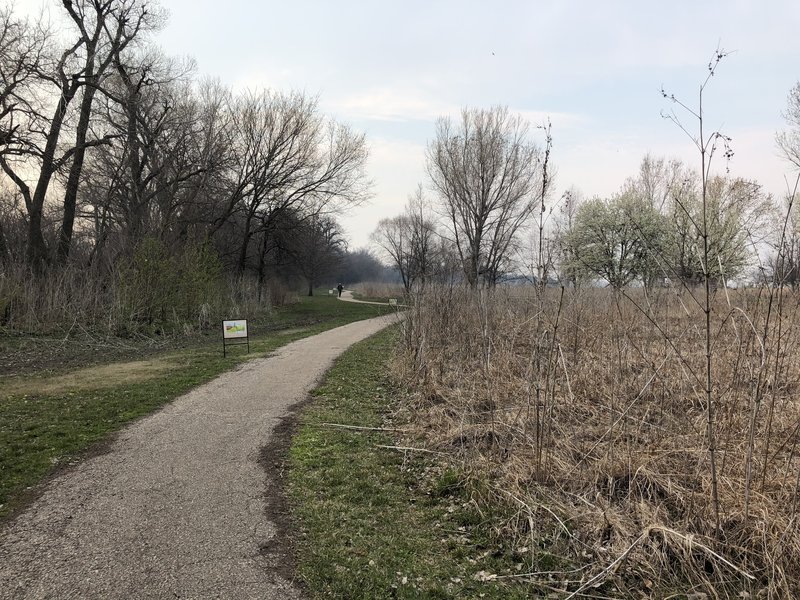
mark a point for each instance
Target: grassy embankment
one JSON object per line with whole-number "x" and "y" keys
{"x": 49, "y": 416}
{"x": 380, "y": 522}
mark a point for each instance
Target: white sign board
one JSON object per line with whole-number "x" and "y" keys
{"x": 234, "y": 329}
{"x": 392, "y": 301}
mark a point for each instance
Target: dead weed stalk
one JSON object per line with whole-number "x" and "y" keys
{"x": 586, "y": 412}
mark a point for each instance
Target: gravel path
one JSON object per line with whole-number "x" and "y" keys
{"x": 347, "y": 296}
{"x": 176, "y": 507}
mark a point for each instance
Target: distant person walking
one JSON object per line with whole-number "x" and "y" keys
{"x": 340, "y": 287}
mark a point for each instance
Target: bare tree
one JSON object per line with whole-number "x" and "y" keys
{"x": 789, "y": 140}
{"x": 564, "y": 222}
{"x": 425, "y": 247}
{"x": 174, "y": 157}
{"x": 785, "y": 265}
{"x": 484, "y": 169}
{"x": 409, "y": 241}
{"x": 6, "y": 211}
{"x": 288, "y": 158}
{"x": 273, "y": 141}
{"x": 164, "y": 147}
{"x": 23, "y": 53}
{"x": 25, "y": 60}
{"x": 104, "y": 29}
{"x": 23, "y": 56}
{"x": 393, "y": 236}
{"x": 658, "y": 181}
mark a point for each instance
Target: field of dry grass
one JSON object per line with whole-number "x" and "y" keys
{"x": 378, "y": 291}
{"x": 585, "y": 414}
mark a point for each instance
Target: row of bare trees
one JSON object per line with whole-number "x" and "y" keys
{"x": 105, "y": 142}
{"x": 489, "y": 177}
{"x": 114, "y": 156}
{"x": 496, "y": 216}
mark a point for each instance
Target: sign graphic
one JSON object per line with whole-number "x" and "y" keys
{"x": 234, "y": 329}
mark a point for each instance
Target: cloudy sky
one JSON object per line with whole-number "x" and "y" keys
{"x": 594, "y": 68}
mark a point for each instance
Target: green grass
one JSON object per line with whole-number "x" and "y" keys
{"x": 372, "y": 524}
{"x": 39, "y": 433}
{"x": 322, "y": 307}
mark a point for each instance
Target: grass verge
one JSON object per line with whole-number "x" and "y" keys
{"x": 378, "y": 522}
{"x": 41, "y": 432}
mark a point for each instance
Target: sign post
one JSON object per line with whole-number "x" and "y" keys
{"x": 234, "y": 333}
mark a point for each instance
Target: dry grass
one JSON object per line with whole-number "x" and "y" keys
{"x": 96, "y": 377}
{"x": 371, "y": 289}
{"x": 74, "y": 299}
{"x": 585, "y": 413}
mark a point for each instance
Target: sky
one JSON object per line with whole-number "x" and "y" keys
{"x": 594, "y": 69}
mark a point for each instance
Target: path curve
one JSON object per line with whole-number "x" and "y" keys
{"x": 347, "y": 296}
{"x": 176, "y": 508}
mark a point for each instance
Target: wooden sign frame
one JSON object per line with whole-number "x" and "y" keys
{"x": 234, "y": 333}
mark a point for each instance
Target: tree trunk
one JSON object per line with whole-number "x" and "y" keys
{"x": 37, "y": 249}
{"x": 4, "y": 256}
{"x": 242, "y": 264}
{"x": 262, "y": 265}
{"x": 246, "y": 235}
{"x": 36, "y": 254}
{"x": 71, "y": 192}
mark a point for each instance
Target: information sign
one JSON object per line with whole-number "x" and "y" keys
{"x": 234, "y": 333}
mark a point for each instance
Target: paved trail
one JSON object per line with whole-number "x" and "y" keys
{"x": 176, "y": 508}
{"x": 347, "y": 296}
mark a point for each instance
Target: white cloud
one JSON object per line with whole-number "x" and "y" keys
{"x": 392, "y": 104}
{"x": 404, "y": 105}
{"x": 397, "y": 167}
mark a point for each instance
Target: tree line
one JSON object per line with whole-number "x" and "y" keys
{"x": 495, "y": 217}
{"x": 111, "y": 151}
